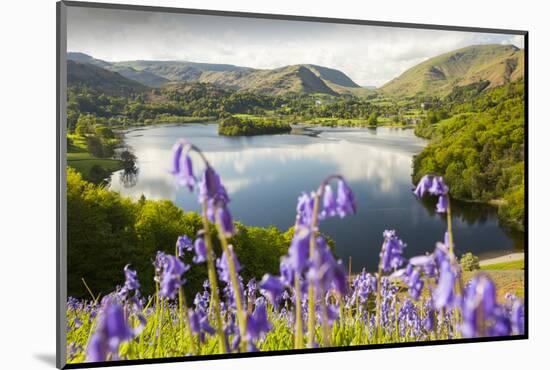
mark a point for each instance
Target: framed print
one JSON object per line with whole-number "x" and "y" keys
{"x": 235, "y": 184}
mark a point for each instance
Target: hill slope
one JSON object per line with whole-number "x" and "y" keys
{"x": 497, "y": 64}
{"x": 99, "y": 79}
{"x": 143, "y": 77}
{"x": 301, "y": 78}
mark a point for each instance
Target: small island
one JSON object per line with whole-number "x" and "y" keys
{"x": 247, "y": 126}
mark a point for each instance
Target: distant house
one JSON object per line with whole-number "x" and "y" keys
{"x": 318, "y": 102}
{"x": 426, "y": 105}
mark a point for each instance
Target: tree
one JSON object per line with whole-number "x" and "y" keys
{"x": 373, "y": 119}
{"x": 469, "y": 262}
{"x": 85, "y": 124}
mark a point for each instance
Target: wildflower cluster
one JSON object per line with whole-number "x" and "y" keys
{"x": 310, "y": 302}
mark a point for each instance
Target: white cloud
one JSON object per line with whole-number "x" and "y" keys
{"x": 369, "y": 55}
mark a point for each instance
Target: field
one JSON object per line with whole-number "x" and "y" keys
{"x": 84, "y": 162}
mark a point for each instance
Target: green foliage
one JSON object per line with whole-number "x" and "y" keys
{"x": 480, "y": 151}
{"x": 373, "y": 119}
{"x": 85, "y": 124}
{"x": 106, "y": 231}
{"x": 98, "y": 148}
{"x": 513, "y": 265}
{"x": 237, "y": 126}
{"x": 469, "y": 262}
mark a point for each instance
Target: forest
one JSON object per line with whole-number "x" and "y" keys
{"x": 108, "y": 230}
{"x": 480, "y": 148}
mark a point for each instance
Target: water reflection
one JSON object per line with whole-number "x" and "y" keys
{"x": 265, "y": 174}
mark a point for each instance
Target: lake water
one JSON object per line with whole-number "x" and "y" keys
{"x": 264, "y": 176}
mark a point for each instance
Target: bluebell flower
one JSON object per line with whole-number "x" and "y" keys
{"x": 200, "y": 251}
{"x": 184, "y": 244}
{"x": 111, "y": 331}
{"x": 481, "y": 314}
{"x": 198, "y": 321}
{"x": 443, "y": 294}
{"x": 345, "y": 199}
{"x": 415, "y": 283}
{"x": 223, "y": 265}
{"x": 304, "y": 209}
{"x": 330, "y": 207}
{"x": 172, "y": 276}
{"x": 434, "y": 185}
{"x": 298, "y": 252}
{"x": 182, "y": 166}
{"x": 226, "y": 221}
{"x": 423, "y": 186}
{"x": 258, "y": 324}
{"x": 272, "y": 287}
{"x": 391, "y": 255}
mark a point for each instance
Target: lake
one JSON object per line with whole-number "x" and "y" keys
{"x": 264, "y": 176}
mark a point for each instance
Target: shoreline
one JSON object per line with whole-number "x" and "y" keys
{"x": 510, "y": 257}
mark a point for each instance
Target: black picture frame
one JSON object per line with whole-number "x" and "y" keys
{"x": 61, "y": 250}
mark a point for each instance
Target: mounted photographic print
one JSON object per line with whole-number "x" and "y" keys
{"x": 236, "y": 184}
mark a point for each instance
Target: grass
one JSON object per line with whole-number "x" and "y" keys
{"x": 81, "y": 160}
{"x": 509, "y": 277}
{"x": 512, "y": 265}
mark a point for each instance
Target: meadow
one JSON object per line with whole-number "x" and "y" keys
{"x": 310, "y": 302}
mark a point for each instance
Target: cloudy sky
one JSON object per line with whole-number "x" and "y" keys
{"x": 370, "y": 55}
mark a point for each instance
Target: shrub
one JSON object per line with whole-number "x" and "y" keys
{"x": 469, "y": 262}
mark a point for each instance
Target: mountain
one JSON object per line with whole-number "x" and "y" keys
{"x": 301, "y": 78}
{"x": 143, "y": 77}
{"x": 81, "y": 74}
{"x": 497, "y": 64}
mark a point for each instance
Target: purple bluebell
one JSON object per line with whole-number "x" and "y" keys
{"x": 443, "y": 294}
{"x": 298, "y": 252}
{"x": 428, "y": 322}
{"x": 438, "y": 186}
{"x": 325, "y": 272}
{"x": 272, "y": 287}
{"x": 481, "y": 314}
{"x": 434, "y": 185}
{"x": 159, "y": 262}
{"x": 409, "y": 320}
{"x": 258, "y": 323}
{"x": 425, "y": 263}
{"x": 182, "y": 166}
{"x": 184, "y": 244}
{"x": 363, "y": 286}
{"x": 304, "y": 209}
{"x": 172, "y": 276}
{"x": 391, "y": 255}
{"x": 223, "y": 265}
{"x": 518, "y": 318}
{"x": 131, "y": 282}
{"x": 198, "y": 321}
{"x": 225, "y": 221}
{"x": 112, "y": 330}
{"x": 211, "y": 187}
{"x": 251, "y": 288}
{"x": 424, "y": 185}
{"x": 200, "y": 251}
{"x": 415, "y": 283}
{"x": 330, "y": 207}
{"x": 345, "y": 199}
{"x": 442, "y": 205}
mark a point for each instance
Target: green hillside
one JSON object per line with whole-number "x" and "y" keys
{"x": 143, "y": 77}
{"x": 101, "y": 80}
{"x": 498, "y": 64}
{"x": 302, "y": 78}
